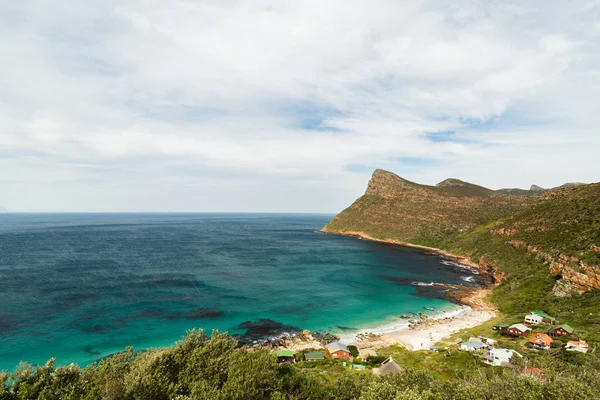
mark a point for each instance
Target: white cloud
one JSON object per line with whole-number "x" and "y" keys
{"x": 285, "y": 106}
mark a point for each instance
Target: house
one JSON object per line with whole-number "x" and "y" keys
{"x": 357, "y": 366}
{"x": 284, "y": 355}
{"x": 579, "y": 346}
{"x": 534, "y": 319}
{"x": 540, "y": 341}
{"x": 488, "y": 341}
{"x": 471, "y": 346}
{"x": 314, "y": 356}
{"x": 546, "y": 318}
{"x": 500, "y": 327}
{"x": 389, "y": 366}
{"x": 337, "y": 350}
{"x": 518, "y": 330}
{"x": 561, "y": 330}
{"x": 499, "y": 357}
{"x": 531, "y": 372}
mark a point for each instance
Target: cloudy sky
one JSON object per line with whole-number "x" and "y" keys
{"x": 270, "y": 105}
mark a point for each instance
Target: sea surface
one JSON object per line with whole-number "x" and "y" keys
{"x": 82, "y": 286}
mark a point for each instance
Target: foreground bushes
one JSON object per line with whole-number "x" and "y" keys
{"x": 213, "y": 368}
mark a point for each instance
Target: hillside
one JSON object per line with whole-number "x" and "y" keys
{"x": 544, "y": 243}
{"x": 394, "y": 208}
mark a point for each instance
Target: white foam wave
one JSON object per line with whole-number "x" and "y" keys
{"x": 401, "y": 325}
{"x": 461, "y": 266}
{"x": 468, "y": 278}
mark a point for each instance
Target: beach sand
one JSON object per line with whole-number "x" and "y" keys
{"x": 427, "y": 333}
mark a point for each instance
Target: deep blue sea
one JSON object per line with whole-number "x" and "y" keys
{"x": 81, "y": 286}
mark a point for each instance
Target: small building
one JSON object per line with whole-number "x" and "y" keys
{"x": 499, "y": 357}
{"x": 518, "y": 330}
{"x": 389, "y": 366}
{"x": 500, "y": 327}
{"x": 540, "y": 341}
{"x": 547, "y": 319}
{"x": 531, "y": 372}
{"x": 487, "y": 341}
{"x": 357, "y": 366}
{"x": 314, "y": 356}
{"x": 471, "y": 346}
{"x": 561, "y": 330}
{"x": 337, "y": 350}
{"x": 534, "y": 319}
{"x": 579, "y": 346}
{"x": 285, "y": 355}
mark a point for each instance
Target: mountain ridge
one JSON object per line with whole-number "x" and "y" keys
{"x": 540, "y": 246}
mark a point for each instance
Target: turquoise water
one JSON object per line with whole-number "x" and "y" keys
{"x": 82, "y": 286}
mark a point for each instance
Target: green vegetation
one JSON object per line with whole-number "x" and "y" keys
{"x": 515, "y": 235}
{"x": 214, "y": 368}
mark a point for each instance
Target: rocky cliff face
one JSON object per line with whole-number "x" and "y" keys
{"x": 560, "y": 227}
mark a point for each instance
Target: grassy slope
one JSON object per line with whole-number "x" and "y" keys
{"x": 567, "y": 223}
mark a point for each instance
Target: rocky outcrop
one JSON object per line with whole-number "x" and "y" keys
{"x": 576, "y": 276}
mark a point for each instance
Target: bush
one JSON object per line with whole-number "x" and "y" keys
{"x": 353, "y": 351}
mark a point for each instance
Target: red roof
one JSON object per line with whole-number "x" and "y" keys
{"x": 580, "y": 343}
{"x": 531, "y": 371}
{"x": 541, "y": 339}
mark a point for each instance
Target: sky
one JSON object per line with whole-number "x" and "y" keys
{"x": 289, "y": 106}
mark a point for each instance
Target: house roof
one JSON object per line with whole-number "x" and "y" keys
{"x": 535, "y": 316}
{"x": 520, "y": 327}
{"x": 541, "y": 339}
{"x": 389, "y": 365}
{"x": 504, "y": 352}
{"x": 336, "y": 346}
{"x": 579, "y": 343}
{"x": 315, "y": 354}
{"x": 284, "y": 353}
{"x": 531, "y": 371}
{"x": 544, "y": 314}
{"x": 475, "y": 345}
{"x": 566, "y": 328}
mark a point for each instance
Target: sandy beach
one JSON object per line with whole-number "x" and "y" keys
{"x": 423, "y": 336}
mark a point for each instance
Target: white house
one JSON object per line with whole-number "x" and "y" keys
{"x": 471, "y": 346}
{"x": 499, "y": 357}
{"x": 485, "y": 340}
{"x": 534, "y": 319}
{"x": 579, "y": 346}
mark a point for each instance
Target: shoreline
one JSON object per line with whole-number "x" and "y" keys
{"x": 473, "y": 309}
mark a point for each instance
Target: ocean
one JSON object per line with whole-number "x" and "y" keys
{"x": 78, "y": 287}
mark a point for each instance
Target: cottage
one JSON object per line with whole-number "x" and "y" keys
{"x": 546, "y": 318}
{"x": 531, "y": 372}
{"x": 389, "y": 366}
{"x": 337, "y": 350}
{"x": 500, "y": 327}
{"x": 488, "y": 341}
{"x": 518, "y": 330}
{"x": 561, "y": 330}
{"x": 540, "y": 341}
{"x": 580, "y": 346}
{"x": 314, "y": 356}
{"x": 284, "y": 355}
{"x": 534, "y": 319}
{"x": 471, "y": 346}
{"x": 499, "y": 357}
{"x": 357, "y": 366}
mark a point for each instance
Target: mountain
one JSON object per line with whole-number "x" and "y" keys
{"x": 395, "y": 208}
{"x": 544, "y": 245}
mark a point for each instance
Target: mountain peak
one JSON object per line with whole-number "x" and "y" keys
{"x": 536, "y": 188}
{"x": 452, "y": 182}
